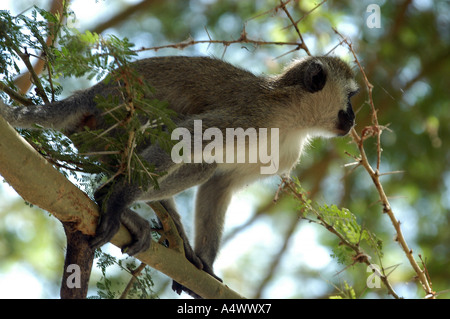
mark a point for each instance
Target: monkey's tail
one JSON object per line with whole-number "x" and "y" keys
{"x": 64, "y": 115}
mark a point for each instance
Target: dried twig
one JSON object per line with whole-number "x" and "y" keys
{"x": 309, "y": 12}
{"x": 295, "y": 24}
{"x": 242, "y": 39}
{"x": 376, "y": 130}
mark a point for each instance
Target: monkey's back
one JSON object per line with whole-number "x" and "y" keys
{"x": 194, "y": 85}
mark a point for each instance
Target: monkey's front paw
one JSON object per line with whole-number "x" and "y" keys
{"x": 137, "y": 246}
{"x": 105, "y": 231}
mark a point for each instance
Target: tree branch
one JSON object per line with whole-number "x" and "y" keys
{"x": 23, "y": 81}
{"x": 376, "y": 130}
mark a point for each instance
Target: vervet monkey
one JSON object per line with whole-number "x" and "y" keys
{"x": 310, "y": 98}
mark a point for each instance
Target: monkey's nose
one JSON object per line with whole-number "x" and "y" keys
{"x": 346, "y": 120}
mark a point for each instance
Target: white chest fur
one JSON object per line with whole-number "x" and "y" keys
{"x": 283, "y": 154}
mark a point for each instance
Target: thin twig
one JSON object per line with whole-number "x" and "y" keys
{"x": 26, "y": 60}
{"x": 295, "y": 24}
{"x": 15, "y": 96}
{"x": 308, "y": 13}
{"x": 242, "y": 39}
{"x": 134, "y": 274}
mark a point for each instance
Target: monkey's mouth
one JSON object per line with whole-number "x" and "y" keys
{"x": 343, "y": 129}
{"x": 341, "y": 133}
{"x": 345, "y": 122}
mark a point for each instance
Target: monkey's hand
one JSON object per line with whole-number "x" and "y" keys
{"x": 114, "y": 203}
{"x": 140, "y": 231}
{"x": 108, "y": 227}
{"x": 138, "y": 227}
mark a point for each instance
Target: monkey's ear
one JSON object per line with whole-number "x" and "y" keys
{"x": 315, "y": 77}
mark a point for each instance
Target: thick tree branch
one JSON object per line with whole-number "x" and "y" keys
{"x": 40, "y": 184}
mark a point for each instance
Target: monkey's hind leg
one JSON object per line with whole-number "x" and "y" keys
{"x": 213, "y": 198}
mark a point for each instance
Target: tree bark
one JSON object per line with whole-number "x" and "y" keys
{"x": 80, "y": 255}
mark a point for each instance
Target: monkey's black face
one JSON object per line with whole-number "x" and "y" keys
{"x": 346, "y": 118}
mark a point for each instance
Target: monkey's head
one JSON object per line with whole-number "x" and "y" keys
{"x": 321, "y": 89}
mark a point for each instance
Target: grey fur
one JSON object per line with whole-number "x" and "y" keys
{"x": 310, "y": 98}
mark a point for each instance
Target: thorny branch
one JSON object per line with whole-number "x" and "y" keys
{"x": 244, "y": 38}
{"x": 376, "y": 130}
{"x": 359, "y": 255}
{"x": 295, "y": 24}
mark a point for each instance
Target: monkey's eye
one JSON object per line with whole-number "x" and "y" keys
{"x": 350, "y": 94}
